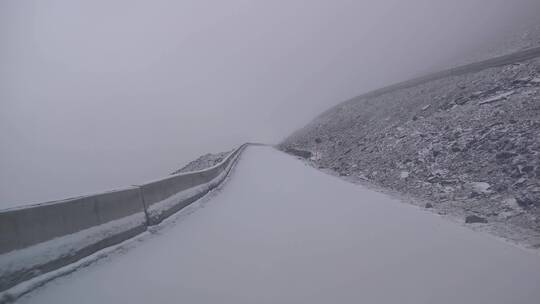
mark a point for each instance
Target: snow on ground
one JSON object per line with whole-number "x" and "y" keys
{"x": 283, "y": 232}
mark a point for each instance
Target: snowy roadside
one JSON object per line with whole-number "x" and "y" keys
{"x": 522, "y": 238}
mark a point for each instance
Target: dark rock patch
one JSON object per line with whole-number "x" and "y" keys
{"x": 471, "y": 219}
{"x": 298, "y": 152}
{"x": 505, "y": 155}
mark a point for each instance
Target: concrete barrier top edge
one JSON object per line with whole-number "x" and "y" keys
{"x": 47, "y": 203}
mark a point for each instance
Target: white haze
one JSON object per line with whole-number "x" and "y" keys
{"x": 100, "y": 94}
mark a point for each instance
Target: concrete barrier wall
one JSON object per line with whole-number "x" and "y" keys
{"x": 23, "y": 227}
{"x": 40, "y": 238}
{"x": 168, "y": 195}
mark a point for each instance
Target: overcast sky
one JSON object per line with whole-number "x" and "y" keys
{"x": 104, "y": 93}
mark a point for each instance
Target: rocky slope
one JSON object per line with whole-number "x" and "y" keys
{"x": 467, "y": 145}
{"x": 205, "y": 161}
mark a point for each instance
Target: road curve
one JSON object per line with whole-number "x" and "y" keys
{"x": 282, "y": 232}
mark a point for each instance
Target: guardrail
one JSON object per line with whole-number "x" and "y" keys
{"x": 40, "y": 238}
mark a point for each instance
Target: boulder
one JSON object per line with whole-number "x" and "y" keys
{"x": 471, "y": 219}
{"x": 505, "y": 155}
{"x": 300, "y": 153}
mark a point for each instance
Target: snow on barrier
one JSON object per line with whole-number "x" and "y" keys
{"x": 168, "y": 195}
{"x": 40, "y": 238}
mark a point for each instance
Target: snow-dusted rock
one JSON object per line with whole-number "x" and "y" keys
{"x": 446, "y": 147}
{"x": 471, "y": 219}
{"x": 481, "y": 187}
{"x": 502, "y": 96}
{"x": 203, "y": 162}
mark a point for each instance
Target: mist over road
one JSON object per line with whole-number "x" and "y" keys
{"x": 280, "y": 231}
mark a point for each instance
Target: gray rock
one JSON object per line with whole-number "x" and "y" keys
{"x": 471, "y": 219}
{"x": 527, "y": 200}
{"x": 527, "y": 169}
{"x": 300, "y": 153}
{"x": 505, "y": 155}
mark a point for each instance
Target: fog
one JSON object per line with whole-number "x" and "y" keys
{"x": 100, "y": 94}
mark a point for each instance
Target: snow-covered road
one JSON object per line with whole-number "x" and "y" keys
{"x": 282, "y": 232}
